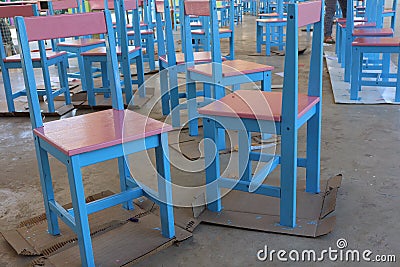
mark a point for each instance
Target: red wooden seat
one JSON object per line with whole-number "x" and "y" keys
{"x": 343, "y": 20}
{"x": 35, "y": 56}
{"x": 272, "y": 20}
{"x": 373, "y": 32}
{"x": 80, "y": 134}
{"x": 199, "y": 57}
{"x": 269, "y": 15}
{"x": 360, "y": 25}
{"x": 232, "y": 68}
{"x": 80, "y": 42}
{"x": 102, "y": 51}
{"x": 377, "y": 41}
{"x": 198, "y": 31}
{"x": 225, "y": 30}
{"x": 249, "y": 104}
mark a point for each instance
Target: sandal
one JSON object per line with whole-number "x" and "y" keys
{"x": 329, "y": 40}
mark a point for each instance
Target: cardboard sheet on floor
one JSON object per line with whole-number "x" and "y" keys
{"x": 119, "y": 237}
{"x": 256, "y": 212}
{"x": 261, "y": 213}
{"x": 368, "y": 94}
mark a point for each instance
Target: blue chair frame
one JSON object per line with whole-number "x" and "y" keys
{"x": 136, "y": 138}
{"x": 46, "y": 60}
{"x": 126, "y": 55}
{"x": 226, "y": 114}
{"x": 215, "y": 75}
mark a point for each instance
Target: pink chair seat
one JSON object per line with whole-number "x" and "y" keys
{"x": 343, "y": 20}
{"x": 98, "y": 130}
{"x": 196, "y": 24}
{"x": 377, "y": 41}
{"x": 142, "y": 32}
{"x": 35, "y": 56}
{"x": 225, "y": 30}
{"x": 373, "y": 32}
{"x": 199, "y": 57}
{"x": 81, "y": 42}
{"x": 389, "y": 10}
{"x": 360, "y": 25}
{"x": 198, "y": 32}
{"x": 102, "y": 51}
{"x": 270, "y": 15}
{"x": 272, "y": 20}
{"x": 232, "y": 68}
{"x": 256, "y": 104}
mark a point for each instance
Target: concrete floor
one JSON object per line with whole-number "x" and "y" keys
{"x": 362, "y": 142}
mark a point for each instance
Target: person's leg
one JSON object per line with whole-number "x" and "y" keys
{"x": 6, "y": 36}
{"x": 343, "y": 7}
{"x": 330, "y": 8}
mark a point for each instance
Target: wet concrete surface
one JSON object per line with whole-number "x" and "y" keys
{"x": 362, "y": 142}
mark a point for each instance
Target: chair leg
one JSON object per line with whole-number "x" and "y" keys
{"x": 219, "y": 92}
{"x": 126, "y": 70}
{"x": 356, "y": 67}
{"x": 105, "y": 82}
{"x": 348, "y": 60}
{"x": 266, "y": 82}
{"x": 313, "y": 152}
{"x": 174, "y": 96}
{"x": 89, "y": 85}
{"x": 124, "y": 174}
{"x": 259, "y": 29}
{"x": 82, "y": 72}
{"x": 164, "y": 89}
{"x": 82, "y": 228}
{"x": 47, "y": 87}
{"x": 288, "y": 176}
{"x": 244, "y": 139}
{"x": 231, "y": 47}
{"x": 397, "y": 96}
{"x": 140, "y": 75}
{"x": 211, "y": 155}
{"x": 62, "y": 76}
{"x": 150, "y": 52}
{"x": 47, "y": 187}
{"x": 385, "y": 66}
{"x": 164, "y": 187}
{"x": 192, "y": 107}
{"x": 7, "y": 88}
{"x": 268, "y": 40}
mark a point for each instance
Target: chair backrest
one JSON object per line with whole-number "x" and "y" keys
{"x": 63, "y": 26}
{"x": 63, "y": 4}
{"x": 165, "y": 39}
{"x": 299, "y": 15}
{"x": 10, "y": 11}
{"x": 101, "y": 4}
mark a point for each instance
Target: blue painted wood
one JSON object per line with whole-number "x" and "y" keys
{"x": 287, "y": 128}
{"x": 164, "y": 187}
{"x": 217, "y": 80}
{"x": 44, "y": 64}
{"x": 77, "y": 217}
{"x": 125, "y": 59}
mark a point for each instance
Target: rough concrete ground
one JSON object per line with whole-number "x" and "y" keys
{"x": 360, "y": 141}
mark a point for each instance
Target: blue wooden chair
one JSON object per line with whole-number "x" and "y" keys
{"x": 282, "y": 113}
{"x": 75, "y": 46}
{"x": 172, "y": 63}
{"x": 40, "y": 59}
{"x": 352, "y": 33}
{"x": 146, "y": 33}
{"x": 270, "y": 30}
{"x": 218, "y": 74}
{"x": 91, "y": 138}
{"x": 126, "y": 55}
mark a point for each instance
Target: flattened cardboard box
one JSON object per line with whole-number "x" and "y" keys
{"x": 119, "y": 237}
{"x": 261, "y": 213}
{"x": 123, "y": 240}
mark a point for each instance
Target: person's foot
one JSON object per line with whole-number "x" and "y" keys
{"x": 329, "y": 40}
